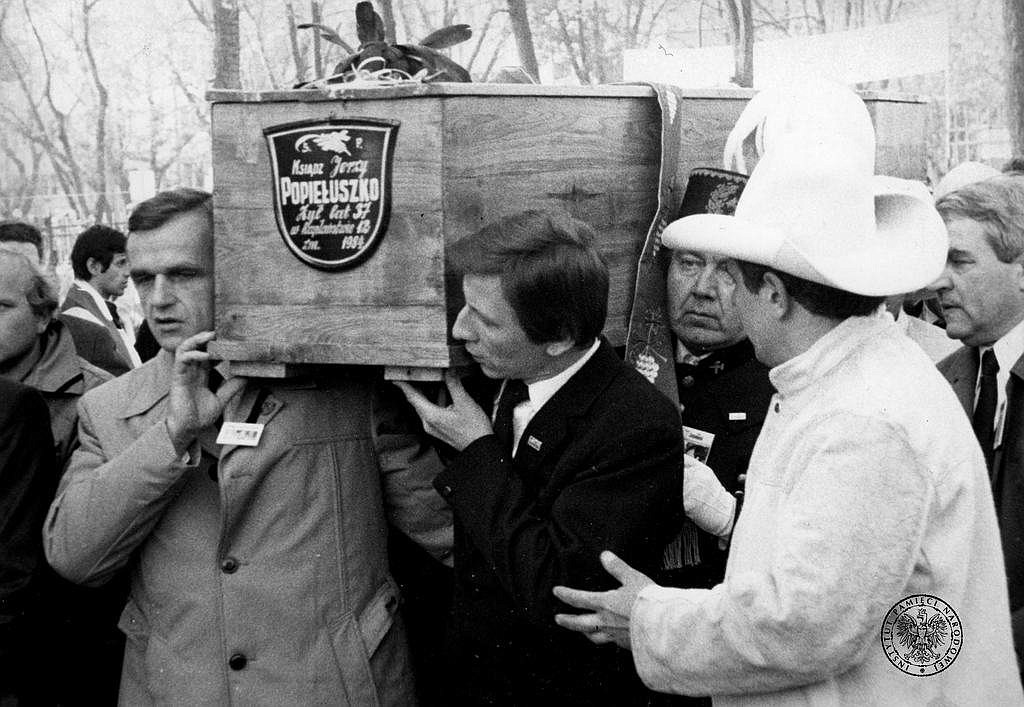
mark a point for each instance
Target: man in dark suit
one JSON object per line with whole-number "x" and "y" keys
{"x": 723, "y": 389}
{"x": 982, "y": 296}
{"x": 581, "y": 454}
{"x": 101, "y": 275}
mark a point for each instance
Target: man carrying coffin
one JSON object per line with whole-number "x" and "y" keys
{"x": 865, "y": 566}
{"x": 580, "y": 453}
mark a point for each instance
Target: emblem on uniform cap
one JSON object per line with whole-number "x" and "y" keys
{"x": 332, "y": 187}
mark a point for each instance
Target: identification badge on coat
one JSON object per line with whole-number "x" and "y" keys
{"x": 242, "y": 434}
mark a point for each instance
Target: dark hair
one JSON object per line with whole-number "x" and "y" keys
{"x": 99, "y": 242}
{"x": 998, "y": 204}
{"x": 21, "y": 232}
{"x": 158, "y": 210}
{"x": 41, "y": 292}
{"x": 551, "y": 273}
{"x": 1014, "y": 164}
{"x": 822, "y": 300}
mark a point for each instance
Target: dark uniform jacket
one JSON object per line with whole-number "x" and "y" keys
{"x": 596, "y": 468}
{"x": 726, "y": 394}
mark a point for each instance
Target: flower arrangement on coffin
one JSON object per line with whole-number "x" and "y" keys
{"x": 378, "y": 61}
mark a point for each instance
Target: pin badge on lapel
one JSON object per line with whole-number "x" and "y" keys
{"x": 533, "y": 443}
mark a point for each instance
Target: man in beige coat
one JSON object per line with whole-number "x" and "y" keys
{"x": 259, "y": 569}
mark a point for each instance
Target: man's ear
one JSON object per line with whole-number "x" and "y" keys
{"x": 557, "y": 348}
{"x": 773, "y": 290}
{"x": 94, "y": 266}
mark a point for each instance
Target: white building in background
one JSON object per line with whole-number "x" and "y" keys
{"x": 907, "y": 48}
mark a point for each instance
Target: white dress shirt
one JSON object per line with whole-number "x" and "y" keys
{"x": 1007, "y": 350}
{"x": 540, "y": 392}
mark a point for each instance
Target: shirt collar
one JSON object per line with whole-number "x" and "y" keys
{"x": 101, "y": 303}
{"x": 1009, "y": 348}
{"x": 684, "y": 355}
{"x": 543, "y": 390}
{"x": 827, "y": 352}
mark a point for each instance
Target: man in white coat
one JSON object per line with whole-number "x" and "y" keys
{"x": 865, "y": 567}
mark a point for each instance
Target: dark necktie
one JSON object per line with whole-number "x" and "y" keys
{"x": 983, "y": 419}
{"x": 515, "y": 392}
{"x": 114, "y": 314}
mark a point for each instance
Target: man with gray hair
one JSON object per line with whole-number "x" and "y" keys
{"x": 981, "y": 291}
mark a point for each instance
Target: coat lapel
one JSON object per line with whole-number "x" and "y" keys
{"x": 243, "y": 409}
{"x": 961, "y": 370}
{"x": 551, "y": 426}
{"x": 150, "y": 385}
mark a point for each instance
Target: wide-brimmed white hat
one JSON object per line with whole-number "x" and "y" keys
{"x": 963, "y": 174}
{"x": 813, "y": 207}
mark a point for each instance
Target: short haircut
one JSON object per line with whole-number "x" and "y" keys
{"x": 21, "y": 232}
{"x": 1014, "y": 164}
{"x": 550, "y": 270}
{"x": 41, "y": 292}
{"x": 822, "y": 300}
{"x": 99, "y": 242}
{"x": 161, "y": 208}
{"x": 998, "y": 204}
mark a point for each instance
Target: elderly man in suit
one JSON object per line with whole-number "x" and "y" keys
{"x": 580, "y": 453}
{"x": 981, "y": 292}
{"x": 251, "y": 514}
{"x": 868, "y": 521}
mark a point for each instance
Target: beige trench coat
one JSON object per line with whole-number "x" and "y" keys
{"x": 260, "y": 578}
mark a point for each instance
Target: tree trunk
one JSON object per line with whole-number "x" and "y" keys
{"x": 298, "y": 56}
{"x": 524, "y": 37}
{"x": 316, "y": 13}
{"x": 387, "y": 14}
{"x": 742, "y": 19}
{"x": 1013, "y": 19}
{"x": 226, "y": 45}
{"x": 101, "y": 208}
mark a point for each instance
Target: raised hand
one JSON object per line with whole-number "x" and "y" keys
{"x": 458, "y": 424}
{"x": 191, "y": 404}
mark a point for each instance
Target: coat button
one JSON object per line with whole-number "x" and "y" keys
{"x": 229, "y": 565}
{"x": 237, "y": 661}
{"x": 776, "y": 407}
{"x": 688, "y": 381}
{"x": 446, "y": 490}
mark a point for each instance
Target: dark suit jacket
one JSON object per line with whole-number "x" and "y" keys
{"x": 961, "y": 370}
{"x": 597, "y": 468}
{"x": 28, "y": 481}
{"x": 93, "y": 343}
{"x": 728, "y": 383}
{"x": 115, "y": 360}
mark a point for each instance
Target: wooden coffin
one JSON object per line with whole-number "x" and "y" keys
{"x": 463, "y": 155}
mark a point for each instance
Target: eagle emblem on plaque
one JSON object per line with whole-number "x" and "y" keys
{"x": 332, "y": 187}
